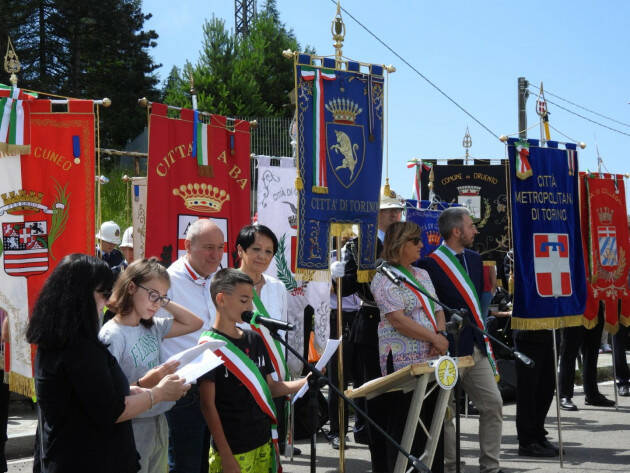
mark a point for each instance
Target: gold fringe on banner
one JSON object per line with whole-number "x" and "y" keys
{"x": 319, "y": 190}
{"x": 590, "y": 324}
{"x": 302, "y": 274}
{"x": 624, "y": 320}
{"x": 337, "y": 228}
{"x": 546, "y": 323}
{"x": 610, "y": 328}
{"x": 365, "y": 275}
{"x": 21, "y": 384}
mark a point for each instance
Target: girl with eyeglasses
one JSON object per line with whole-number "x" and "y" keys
{"x": 84, "y": 400}
{"x": 134, "y": 336}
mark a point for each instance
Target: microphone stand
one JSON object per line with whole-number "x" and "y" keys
{"x": 317, "y": 379}
{"x": 457, "y": 321}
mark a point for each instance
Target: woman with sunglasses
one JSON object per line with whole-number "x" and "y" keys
{"x": 411, "y": 331}
{"x": 84, "y": 399}
{"x": 134, "y": 335}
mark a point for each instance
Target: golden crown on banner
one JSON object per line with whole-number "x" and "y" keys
{"x": 343, "y": 110}
{"x": 433, "y": 237}
{"x": 605, "y": 214}
{"x": 202, "y": 197}
{"x": 26, "y": 200}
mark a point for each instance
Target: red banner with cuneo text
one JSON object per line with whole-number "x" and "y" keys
{"x": 47, "y": 212}
{"x": 606, "y": 248}
{"x": 199, "y": 167}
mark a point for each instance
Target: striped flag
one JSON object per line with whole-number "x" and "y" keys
{"x": 318, "y": 76}
{"x": 14, "y": 121}
{"x": 523, "y": 168}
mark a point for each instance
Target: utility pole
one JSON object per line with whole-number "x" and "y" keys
{"x": 523, "y": 93}
{"x": 244, "y": 15}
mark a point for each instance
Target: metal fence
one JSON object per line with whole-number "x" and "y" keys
{"x": 271, "y": 137}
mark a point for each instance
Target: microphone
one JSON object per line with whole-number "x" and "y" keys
{"x": 271, "y": 324}
{"x": 526, "y": 360}
{"x": 385, "y": 269}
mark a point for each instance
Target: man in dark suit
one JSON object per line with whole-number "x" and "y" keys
{"x": 364, "y": 334}
{"x": 458, "y": 231}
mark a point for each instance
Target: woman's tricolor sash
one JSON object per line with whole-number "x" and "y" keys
{"x": 274, "y": 348}
{"x": 419, "y": 291}
{"x": 453, "y": 269}
{"x": 246, "y": 371}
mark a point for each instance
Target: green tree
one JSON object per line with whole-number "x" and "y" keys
{"x": 247, "y": 77}
{"x": 86, "y": 50}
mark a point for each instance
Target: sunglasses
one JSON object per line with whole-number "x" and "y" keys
{"x": 415, "y": 240}
{"x": 155, "y": 296}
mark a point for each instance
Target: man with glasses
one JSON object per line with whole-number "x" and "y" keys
{"x": 191, "y": 274}
{"x": 453, "y": 267}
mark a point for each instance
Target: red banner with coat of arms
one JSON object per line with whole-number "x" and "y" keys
{"x": 46, "y": 212}
{"x": 606, "y": 248}
{"x": 198, "y": 168}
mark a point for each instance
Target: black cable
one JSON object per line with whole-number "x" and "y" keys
{"x": 587, "y": 119}
{"x": 537, "y": 91}
{"x": 417, "y": 71}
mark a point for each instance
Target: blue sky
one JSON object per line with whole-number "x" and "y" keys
{"x": 474, "y": 51}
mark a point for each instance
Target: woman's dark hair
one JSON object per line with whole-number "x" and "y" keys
{"x": 247, "y": 235}
{"x": 138, "y": 272}
{"x": 65, "y": 309}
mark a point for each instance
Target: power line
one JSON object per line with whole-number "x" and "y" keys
{"x": 417, "y": 72}
{"x": 536, "y": 90}
{"x": 588, "y": 119}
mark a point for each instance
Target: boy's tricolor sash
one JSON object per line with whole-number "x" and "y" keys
{"x": 427, "y": 304}
{"x": 453, "y": 269}
{"x": 274, "y": 348}
{"x": 241, "y": 366}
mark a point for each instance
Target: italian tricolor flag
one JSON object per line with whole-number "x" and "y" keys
{"x": 200, "y": 141}
{"x": 318, "y": 76}
{"x": 523, "y": 168}
{"x": 14, "y": 121}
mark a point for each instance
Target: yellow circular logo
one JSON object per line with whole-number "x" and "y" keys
{"x": 446, "y": 372}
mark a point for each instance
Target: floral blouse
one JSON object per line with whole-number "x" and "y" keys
{"x": 390, "y": 298}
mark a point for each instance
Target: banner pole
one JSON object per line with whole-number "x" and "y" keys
{"x": 340, "y": 378}
{"x": 555, "y": 363}
{"x": 614, "y": 373}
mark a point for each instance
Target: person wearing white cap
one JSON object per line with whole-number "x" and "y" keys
{"x": 126, "y": 246}
{"x": 364, "y": 331}
{"x": 109, "y": 238}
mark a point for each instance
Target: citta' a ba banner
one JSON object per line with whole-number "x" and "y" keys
{"x": 549, "y": 279}
{"x": 340, "y": 152}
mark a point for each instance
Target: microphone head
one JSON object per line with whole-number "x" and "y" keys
{"x": 247, "y": 316}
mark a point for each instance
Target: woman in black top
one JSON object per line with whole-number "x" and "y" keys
{"x": 84, "y": 398}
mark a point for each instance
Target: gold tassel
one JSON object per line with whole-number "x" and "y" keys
{"x": 511, "y": 284}
{"x": 299, "y": 184}
{"x": 319, "y": 190}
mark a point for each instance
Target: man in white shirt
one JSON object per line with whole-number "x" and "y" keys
{"x": 191, "y": 274}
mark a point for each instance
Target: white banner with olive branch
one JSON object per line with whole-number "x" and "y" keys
{"x": 276, "y": 208}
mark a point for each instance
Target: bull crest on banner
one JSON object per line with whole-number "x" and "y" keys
{"x": 346, "y": 154}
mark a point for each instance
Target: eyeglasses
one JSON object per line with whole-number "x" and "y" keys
{"x": 415, "y": 240}
{"x": 155, "y": 296}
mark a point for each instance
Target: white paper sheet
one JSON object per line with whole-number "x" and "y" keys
{"x": 198, "y": 360}
{"x": 331, "y": 347}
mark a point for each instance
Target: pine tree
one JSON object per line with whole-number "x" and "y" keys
{"x": 86, "y": 50}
